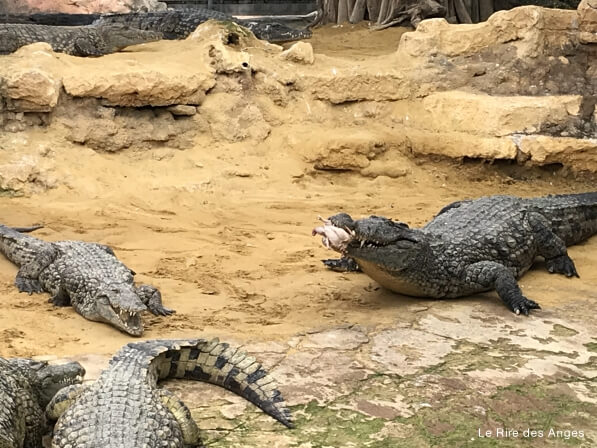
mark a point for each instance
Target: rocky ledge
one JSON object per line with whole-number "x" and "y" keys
{"x": 521, "y": 86}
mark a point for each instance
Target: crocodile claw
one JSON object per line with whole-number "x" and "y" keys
{"x": 161, "y": 311}
{"x": 562, "y": 265}
{"x": 341, "y": 264}
{"x": 524, "y": 306}
{"x": 29, "y": 285}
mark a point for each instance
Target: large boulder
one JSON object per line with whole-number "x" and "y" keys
{"x": 533, "y": 31}
{"x": 587, "y": 21}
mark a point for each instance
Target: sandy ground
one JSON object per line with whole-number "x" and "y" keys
{"x": 224, "y": 230}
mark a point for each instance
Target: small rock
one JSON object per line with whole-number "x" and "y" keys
{"x": 301, "y": 52}
{"x": 182, "y": 110}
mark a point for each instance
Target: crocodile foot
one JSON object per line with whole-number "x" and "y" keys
{"x": 29, "y": 285}
{"x": 342, "y": 264}
{"x": 161, "y": 310}
{"x": 562, "y": 265}
{"x": 524, "y": 305}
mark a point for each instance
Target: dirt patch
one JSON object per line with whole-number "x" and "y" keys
{"x": 356, "y": 42}
{"x": 223, "y": 227}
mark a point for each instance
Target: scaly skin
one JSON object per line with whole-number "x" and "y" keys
{"x": 469, "y": 247}
{"x": 87, "y": 276}
{"x": 179, "y": 23}
{"x": 54, "y": 19}
{"x": 76, "y": 41}
{"x": 26, "y": 388}
{"x": 125, "y": 409}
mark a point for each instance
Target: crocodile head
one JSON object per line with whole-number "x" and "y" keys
{"x": 48, "y": 379}
{"x": 376, "y": 243}
{"x": 118, "y": 37}
{"x": 120, "y": 306}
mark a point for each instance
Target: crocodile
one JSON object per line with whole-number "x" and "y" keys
{"x": 124, "y": 408}
{"x": 26, "y": 388}
{"x": 86, "y": 276}
{"x": 470, "y": 246}
{"x": 179, "y": 23}
{"x": 73, "y": 40}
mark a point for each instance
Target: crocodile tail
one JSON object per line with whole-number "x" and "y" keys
{"x": 218, "y": 363}
{"x": 573, "y": 216}
{"x": 19, "y": 248}
{"x": 26, "y": 229}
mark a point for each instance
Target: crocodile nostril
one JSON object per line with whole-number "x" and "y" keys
{"x": 245, "y": 65}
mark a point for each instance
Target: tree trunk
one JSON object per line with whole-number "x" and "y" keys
{"x": 383, "y": 10}
{"x": 358, "y": 12}
{"x": 373, "y": 10}
{"x": 330, "y": 11}
{"x": 485, "y": 9}
{"x": 342, "y": 11}
{"x": 475, "y": 11}
{"x": 391, "y": 12}
{"x": 461, "y": 12}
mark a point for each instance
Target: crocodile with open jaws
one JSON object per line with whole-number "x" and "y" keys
{"x": 87, "y": 276}
{"x": 74, "y": 40}
{"x": 124, "y": 408}
{"x": 179, "y": 23}
{"x": 470, "y": 246}
{"x": 26, "y": 388}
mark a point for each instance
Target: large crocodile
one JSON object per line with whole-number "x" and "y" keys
{"x": 179, "y": 23}
{"x": 76, "y": 41}
{"x": 123, "y": 408}
{"x": 469, "y": 247}
{"x": 87, "y": 276}
{"x": 26, "y": 388}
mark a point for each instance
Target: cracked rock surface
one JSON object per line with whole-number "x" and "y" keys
{"x": 440, "y": 377}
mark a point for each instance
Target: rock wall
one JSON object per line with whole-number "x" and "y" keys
{"x": 521, "y": 86}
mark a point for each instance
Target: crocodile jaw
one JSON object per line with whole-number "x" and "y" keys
{"x": 121, "y": 307}
{"x": 128, "y": 321}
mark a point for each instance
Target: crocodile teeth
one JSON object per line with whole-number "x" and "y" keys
{"x": 362, "y": 243}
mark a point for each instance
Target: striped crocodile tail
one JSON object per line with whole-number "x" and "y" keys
{"x": 218, "y": 363}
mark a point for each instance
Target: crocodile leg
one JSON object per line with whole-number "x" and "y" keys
{"x": 551, "y": 247}
{"x": 62, "y": 400}
{"x": 152, "y": 298}
{"x": 27, "y": 279}
{"x": 60, "y": 298}
{"x": 490, "y": 274}
{"x": 84, "y": 47}
{"x": 344, "y": 264}
{"x": 182, "y": 414}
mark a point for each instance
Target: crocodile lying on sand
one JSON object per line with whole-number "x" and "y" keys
{"x": 76, "y": 41}
{"x": 26, "y": 388}
{"x": 87, "y": 276}
{"x": 470, "y": 246}
{"x": 125, "y": 409}
{"x": 179, "y": 23}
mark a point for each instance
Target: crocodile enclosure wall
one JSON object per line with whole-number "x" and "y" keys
{"x": 204, "y": 164}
